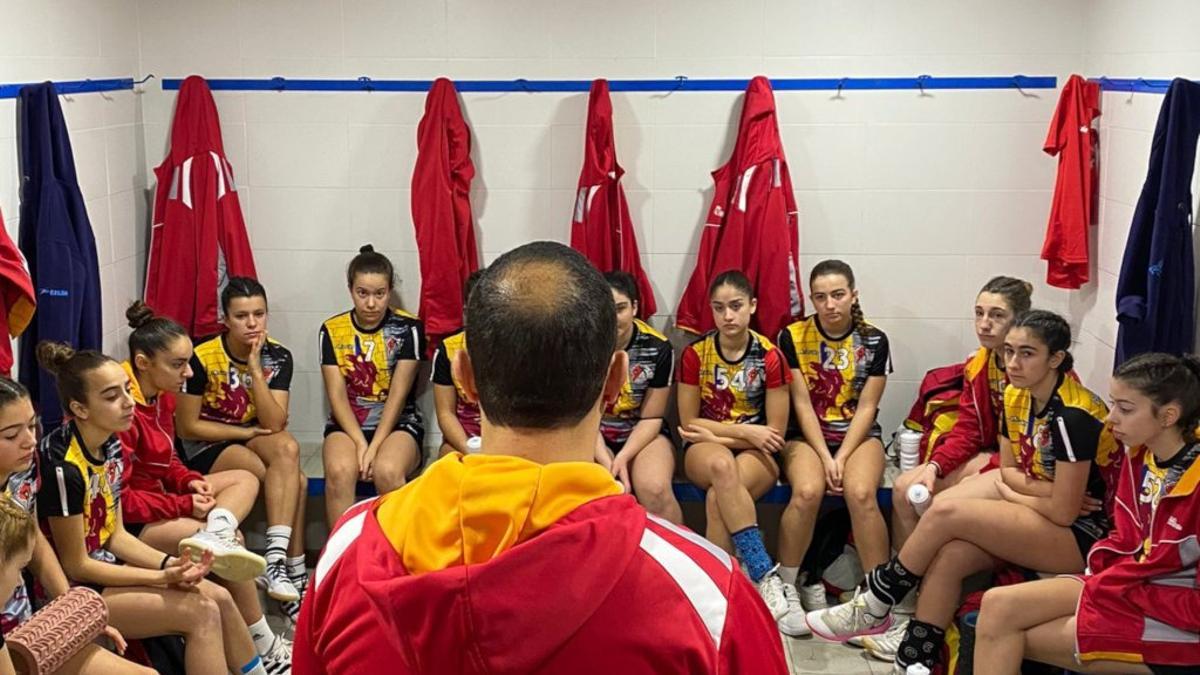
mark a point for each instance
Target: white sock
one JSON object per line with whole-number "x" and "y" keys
{"x": 876, "y": 606}
{"x": 221, "y": 521}
{"x": 297, "y": 568}
{"x": 264, "y": 637}
{"x": 278, "y": 538}
{"x": 255, "y": 667}
{"x": 789, "y": 574}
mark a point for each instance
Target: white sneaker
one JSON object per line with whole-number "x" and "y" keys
{"x": 230, "y": 560}
{"x": 884, "y": 646}
{"x": 792, "y": 623}
{"x": 278, "y": 661}
{"x": 771, "y": 590}
{"x": 279, "y": 586}
{"x": 813, "y": 597}
{"x": 842, "y": 622}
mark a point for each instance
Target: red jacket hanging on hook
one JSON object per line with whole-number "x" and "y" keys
{"x": 441, "y": 210}
{"x": 17, "y": 300}
{"x": 1073, "y": 139}
{"x": 601, "y": 228}
{"x": 751, "y": 225}
{"x": 198, "y": 239}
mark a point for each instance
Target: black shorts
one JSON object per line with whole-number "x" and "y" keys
{"x": 203, "y": 461}
{"x": 411, "y": 428}
{"x": 617, "y": 447}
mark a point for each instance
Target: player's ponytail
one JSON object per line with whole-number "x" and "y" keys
{"x": 151, "y": 334}
{"x": 69, "y": 368}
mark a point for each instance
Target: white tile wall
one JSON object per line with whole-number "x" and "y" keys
{"x": 63, "y": 40}
{"x": 1126, "y": 40}
{"x": 926, "y": 196}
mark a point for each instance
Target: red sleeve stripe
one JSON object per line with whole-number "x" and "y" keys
{"x": 721, "y": 556}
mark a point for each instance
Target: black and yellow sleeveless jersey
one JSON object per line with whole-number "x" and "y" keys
{"x": 835, "y": 369}
{"x": 367, "y": 357}
{"x": 76, "y": 482}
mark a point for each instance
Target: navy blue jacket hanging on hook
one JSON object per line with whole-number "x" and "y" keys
{"x": 57, "y": 240}
{"x": 1156, "y": 292}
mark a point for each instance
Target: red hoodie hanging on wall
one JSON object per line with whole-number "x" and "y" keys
{"x": 441, "y": 210}
{"x": 1073, "y": 139}
{"x": 601, "y": 228}
{"x": 198, "y": 238}
{"x": 17, "y": 300}
{"x": 751, "y": 225}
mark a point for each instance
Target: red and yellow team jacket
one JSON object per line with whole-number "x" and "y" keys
{"x": 155, "y": 486}
{"x": 1141, "y": 598}
{"x": 494, "y": 564}
{"x": 979, "y": 410}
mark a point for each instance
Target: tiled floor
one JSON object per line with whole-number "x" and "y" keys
{"x": 810, "y": 655}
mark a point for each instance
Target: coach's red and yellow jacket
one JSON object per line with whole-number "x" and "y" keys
{"x": 155, "y": 485}
{"x": 1141, "y": 600}
{"x": 495, "y": 564}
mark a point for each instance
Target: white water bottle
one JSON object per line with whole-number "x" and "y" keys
{"x": 919, "y": 497}
{"x": 474, "y": 444}
{"x": 910, "y": 449}
{"x": 916, "y": 669}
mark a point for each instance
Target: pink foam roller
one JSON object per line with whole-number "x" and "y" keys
{"x": 58, "y": 631}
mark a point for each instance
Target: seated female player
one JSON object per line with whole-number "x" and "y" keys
{"x": 1054, "y": 449}
{"x": 733, "y": 401}
{"x": 968, "y": 448}
{"x": 634, "y": 443}
{"x": 839, "y": 365}
{"x": 369, "y": 361}
{"x": 233, "y": 413}
{"x": 1137, "y": 608}
{"x": 171, "y": 507}
{"x": 23, "y": 546}
{"x": 148, "y": 593}
{"x": 457, "y": 417}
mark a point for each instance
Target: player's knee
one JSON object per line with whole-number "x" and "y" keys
{"x": 723, "y": 470}
{"x": 860, "y": 497}
{"x": 340, "y": 473}
{"x": 997, "y": 610}
{"x": 805, "y": 496}
{"x": 388, "y": 476}
{"x": 243, "y": 477}
{"x": 654, "y": 495}
{"x": 288, "y": 450}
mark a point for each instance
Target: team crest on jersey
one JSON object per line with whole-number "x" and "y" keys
{"x": 640, "y": 374}
{"x": 112, "y": 472}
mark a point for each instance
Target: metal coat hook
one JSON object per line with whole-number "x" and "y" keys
{"x": 841, "y": 83}
{"x": 145, "y": 79}
{"x": 680, "y": 80}
{"x": 921, "y": 84}
{"x": 1017, "y": 84}
{"x": 524, "y": 85}
{"x": 278, "y": 83}
{"x": 367, "y": 85}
